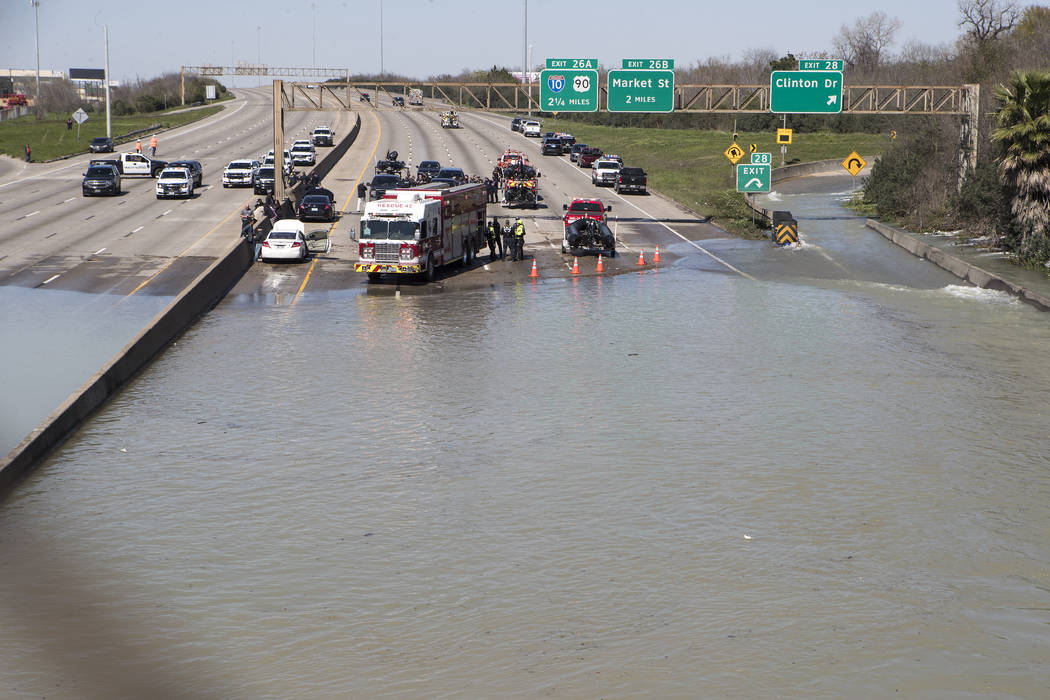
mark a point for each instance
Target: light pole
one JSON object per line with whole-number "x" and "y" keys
{"x": 258, "y": 61}
{"x": 36, "y": 21}
{"x": 109, "y": 124}
{"x": 313, "y": 7}
{"x": 381, "y": 69}
{"x": 524, "y": 47}
{"x": 529, "y": 79}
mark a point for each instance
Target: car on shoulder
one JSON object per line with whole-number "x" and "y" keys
{"x": 585, "y": 208}
{"x": 303, "y": 154}
{"x": 316, "y": 207}
{"x": 195, "y": 168}
{"x": 174, "y": 182}
{"x": 567, "y": 141}
{"x": 613, "y": 156}
{"x": 100, "y": 178}
{"x": 383, "y": 182}
{"x": 428, "y": 169}
{"x": 264, "y": 180}
{"x": 240, "y": 173}
{"x": 551, "y": 146}
{"x": 323, "y": 136}
{"x": 574, "y": 151}
{"x": 631, "y": 180}
{"x": 101, "y": 144}
{"x": 531, "y": 128}
{"x": 285, "y": 241}
{"x": 515, "y": 123}
{"x": 588, "y": 155}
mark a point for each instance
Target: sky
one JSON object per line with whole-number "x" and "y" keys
{"x": 424, "y": 38}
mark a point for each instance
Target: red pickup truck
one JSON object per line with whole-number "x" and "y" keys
{"x": 585, "y": 209}
{"x": 588, "y": 156}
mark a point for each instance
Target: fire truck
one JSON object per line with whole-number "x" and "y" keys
{"x": 416, "y": 230}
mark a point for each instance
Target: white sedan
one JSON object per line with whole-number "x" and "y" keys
{"x": 285, "y": 241}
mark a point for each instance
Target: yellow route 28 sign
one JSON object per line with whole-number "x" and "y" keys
{"x": 854, "y": 163}
{"x": 734, "y": 153}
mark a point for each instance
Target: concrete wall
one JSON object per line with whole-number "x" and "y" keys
{"x": 960, "y": 268}
{"x": 202, "y": 294}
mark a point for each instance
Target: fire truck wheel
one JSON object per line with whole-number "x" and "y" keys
{"x": 430, "y": 272}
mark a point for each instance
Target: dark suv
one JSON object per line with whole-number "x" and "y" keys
{"x": 264, "y": 180}
{"x": 101, "y": 144}
{"x": 551, "y": 146}
{"x": 101, "y": 179}
{"x": 195, "y": 168}
{"x": 428, "y": 169}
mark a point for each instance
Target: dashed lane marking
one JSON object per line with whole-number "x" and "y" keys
{"x": 51, "y": 279}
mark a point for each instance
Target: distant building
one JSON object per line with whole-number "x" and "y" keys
{"x": 90, "y": 83}
{"x": 24, "y": 80}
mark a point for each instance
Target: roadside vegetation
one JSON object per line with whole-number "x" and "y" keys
{"x": 689, "y": 165}
{"x": 49, "y": 138}
{"x": 149, "y": 104}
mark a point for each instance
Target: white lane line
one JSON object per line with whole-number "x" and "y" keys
{"x": 32, "y": 213}
{"x": 166, "y": 213}
{"x": 98, "y": 251}
{"x": 651, "y": 217}
{"x": 51, "y": 279}
{"x": 68, "y": 200}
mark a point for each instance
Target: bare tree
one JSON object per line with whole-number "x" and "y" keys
{"x": 862, "y": 45}
{"x": 985, "y": 20}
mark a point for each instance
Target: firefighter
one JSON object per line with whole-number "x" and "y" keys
{"x": 508, "y": 239}
{"x": 519, "y": 239}
{"x": 492, "y": 237}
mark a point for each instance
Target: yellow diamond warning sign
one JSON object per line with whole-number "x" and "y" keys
{"x": 854, "y": 163}
{"x": 734, "y": 153}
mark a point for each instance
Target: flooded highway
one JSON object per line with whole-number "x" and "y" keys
{"x": 826, "y": 480}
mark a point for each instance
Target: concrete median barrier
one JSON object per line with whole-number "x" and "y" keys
{"x": 200, "y": 296}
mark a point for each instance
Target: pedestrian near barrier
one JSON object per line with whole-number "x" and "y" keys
{"x": 69, "y": 125}
{"x": 153, "y": 145}
{"x": 362, "y": 195}
{"x": 29, "y": 153}
{"x": 497, "y": 232}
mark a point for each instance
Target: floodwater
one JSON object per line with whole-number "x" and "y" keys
{"x": 676, "y": 484}
{"x": 51, "y": 342}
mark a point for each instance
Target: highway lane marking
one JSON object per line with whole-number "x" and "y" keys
{"x": 68, "y": 200}
{"x": 51, "y": 234}
{"x": 32, "y": 213}
{"x": 135, "y": 231}
{"x": 51, "y": 279}
{"x": 98, "y": 251}
{"x": 353, "y": 192}
{"x": 651, "y": 217}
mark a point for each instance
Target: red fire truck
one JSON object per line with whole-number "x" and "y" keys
{"x": 419, "y": 229}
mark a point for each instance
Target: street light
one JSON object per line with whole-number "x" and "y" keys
{"x": 35, "y": 4}
{"x": 381, "y": 71}
{"x": 258, "y": 62}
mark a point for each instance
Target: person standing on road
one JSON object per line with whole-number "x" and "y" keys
{"x": 153, "y": 145}
{"x": 508, "y": 239}
{"x": 138, "y": 146}
{"x": 491, "y": 236}
{"x": 519, "y": 239}
{"x": 69, "y": 124}
{"x": 362, "y": 195}
{"x": 29, "y": 153}
{"x": 497, "y": 231}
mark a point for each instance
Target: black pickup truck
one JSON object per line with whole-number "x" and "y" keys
{"x": 631, "y": 180}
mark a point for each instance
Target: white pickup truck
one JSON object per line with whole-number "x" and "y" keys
{"x": 604, "y": 171}
{"x": 135, "y": 164}
{"x": 240, "y": 173}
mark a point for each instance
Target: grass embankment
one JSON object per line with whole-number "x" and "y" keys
{"x": 689, "y": 166}
{"x": 48, "y": 138}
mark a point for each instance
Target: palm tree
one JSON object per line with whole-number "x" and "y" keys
{"x": 1023, "y": 121}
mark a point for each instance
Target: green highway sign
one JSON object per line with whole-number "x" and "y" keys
{"x": 648, "y": 64}
{"x": 821, "y": 64}
{"x": 641, "y": 91}
{"x": 576, "y": 63}
{"x": 568, "y": 90}
{"x": 761, "y": 158}
{"x": 753, "y": 178}
{"x": 805, "y": 92}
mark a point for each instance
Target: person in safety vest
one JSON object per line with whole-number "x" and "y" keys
{"x": 153, "y": 145}
{"x": 519, "y": 239}
{"x": 138, "y": 146}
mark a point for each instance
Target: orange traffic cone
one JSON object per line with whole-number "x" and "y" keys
{"x": 641, "y": 258}
{"x": 575, "y": 266}
{"x": 600, "y": 267}
{"x": 534, "y": 272}
{"x": 656, "y": 256}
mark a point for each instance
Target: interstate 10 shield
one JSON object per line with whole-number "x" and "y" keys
{"x": 569, "y": 90}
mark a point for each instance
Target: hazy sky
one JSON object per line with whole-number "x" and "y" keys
{"x": 422, "y": 38}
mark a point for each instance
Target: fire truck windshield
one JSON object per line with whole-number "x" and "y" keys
{"x": 389, "y": 230}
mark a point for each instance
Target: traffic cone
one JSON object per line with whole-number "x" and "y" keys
{"x": 641, "y": 258}
{"x": 600, "y": 267}
{"x": 534, "y": 272}
{"x": 575, "y": 266}
{"x": 656, "y": 255}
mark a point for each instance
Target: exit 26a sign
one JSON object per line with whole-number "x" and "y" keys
{"x": 569, "y": 90}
